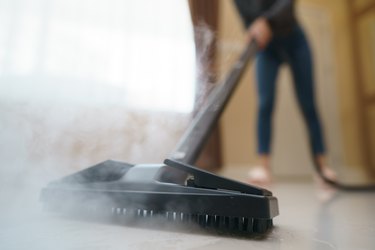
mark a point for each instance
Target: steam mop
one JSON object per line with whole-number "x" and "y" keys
{"x": 175, "y": 190}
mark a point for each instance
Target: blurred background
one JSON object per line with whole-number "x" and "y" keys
{"x": 85, "y": 81}
{"x": 342, "y": 37}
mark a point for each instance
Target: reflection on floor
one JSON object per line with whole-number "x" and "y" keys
{"x": 346, "y": 221}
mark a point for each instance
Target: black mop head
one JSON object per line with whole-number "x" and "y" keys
{"x": 134, "y": 193}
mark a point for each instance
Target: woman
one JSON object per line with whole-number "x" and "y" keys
{"x": 274, "y": 27}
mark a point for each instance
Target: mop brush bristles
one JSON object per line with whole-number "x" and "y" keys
{"x": 129, "y": 194}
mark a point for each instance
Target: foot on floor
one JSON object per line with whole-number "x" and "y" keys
{"x": 325, "y": 190}
{"x": 259, "y": 176}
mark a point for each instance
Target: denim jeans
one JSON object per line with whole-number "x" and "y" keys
{"x": 294, "y": 50}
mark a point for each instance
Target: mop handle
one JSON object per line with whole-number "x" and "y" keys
{"x": 194, "y": 138}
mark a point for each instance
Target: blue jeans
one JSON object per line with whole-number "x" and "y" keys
{"x": 295, "y": 51}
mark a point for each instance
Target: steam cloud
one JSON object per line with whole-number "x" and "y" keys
{"x": 45, "y": 134}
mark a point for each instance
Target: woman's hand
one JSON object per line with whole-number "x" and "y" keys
{"x": 261, "y": 32}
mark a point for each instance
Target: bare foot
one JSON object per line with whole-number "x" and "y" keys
{"x": 329, "y": 173}
{"x": 325, "y": 190}
{"x": 259, "y": 176}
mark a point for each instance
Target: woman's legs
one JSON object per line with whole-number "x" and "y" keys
{"x": 300, "y": 59}
{"x": 302, "y": 70}
{"x": 267, "y": 65}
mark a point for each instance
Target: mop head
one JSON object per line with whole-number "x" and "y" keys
{"x": 136, "y": 193}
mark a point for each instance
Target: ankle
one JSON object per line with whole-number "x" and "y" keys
{"x": 328, "y": 172}
{"x": 321, "y": 161}
{"x": 264, "y": 161}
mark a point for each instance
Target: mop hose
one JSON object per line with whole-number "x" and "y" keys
{"x": 337, "y": 184}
